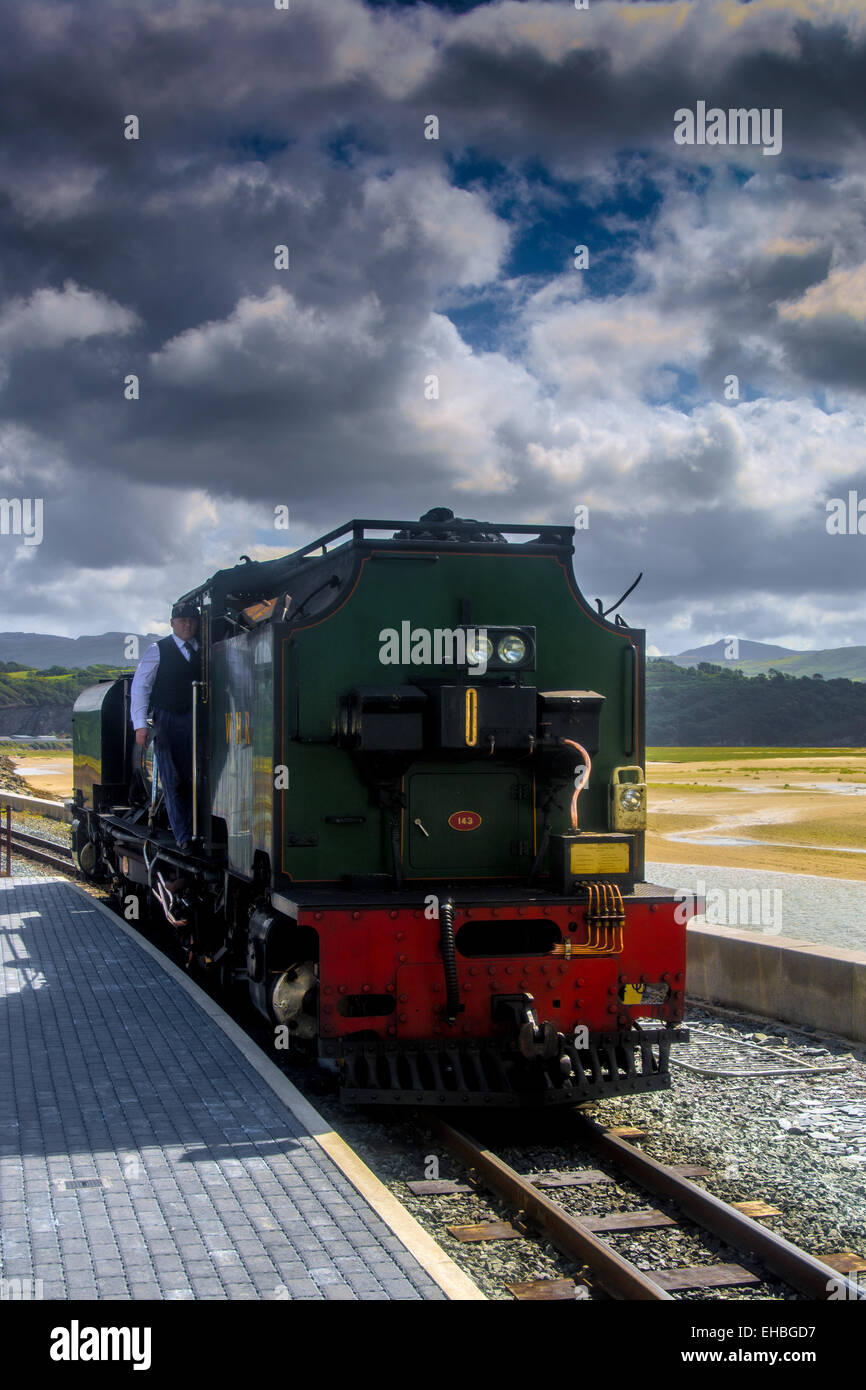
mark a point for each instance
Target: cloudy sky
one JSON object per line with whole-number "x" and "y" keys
{"x": 608, "y": 386}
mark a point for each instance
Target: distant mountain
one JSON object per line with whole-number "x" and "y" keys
{"x": 746, "y": 651}
{"x": 40, "y": 650}
{"x": 754, "y": 658}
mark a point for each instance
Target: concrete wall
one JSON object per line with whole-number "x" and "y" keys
{"x": 821, "y": 986}
{"x": 55, "y": 810}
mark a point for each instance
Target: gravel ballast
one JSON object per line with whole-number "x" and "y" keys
{"x": 798, "y": 1143}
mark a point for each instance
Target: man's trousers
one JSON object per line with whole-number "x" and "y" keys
{"x": 173, "y": 739}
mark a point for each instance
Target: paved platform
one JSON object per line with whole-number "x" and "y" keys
{"x": 146, "y": 1151}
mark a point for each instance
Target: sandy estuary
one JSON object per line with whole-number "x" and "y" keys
{"x": 798, "y": 811}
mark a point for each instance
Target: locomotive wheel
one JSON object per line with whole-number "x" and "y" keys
{"x": 87, "y": 858}
{"x": 85, "y": 853}
{"x": 294, "y": 999}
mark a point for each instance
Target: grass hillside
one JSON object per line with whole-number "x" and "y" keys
{"x": 833, "y": 663}
{"x": 709, "y": 706}
{"x": 56, "y": 686}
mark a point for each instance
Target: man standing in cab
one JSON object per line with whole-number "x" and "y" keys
{"x": 163, "y": 684}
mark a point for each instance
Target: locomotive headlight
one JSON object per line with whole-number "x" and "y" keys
{"x": 627, "y": 798}
{"x": 497, "y": 647}
{"x": 479, "y": 651}
{"x": 630, "y": 798}
{"x": 511, "y": 649}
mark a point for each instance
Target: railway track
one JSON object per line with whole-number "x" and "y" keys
{"x": 43, "y": 850}
{"x": 583, "y": 1238}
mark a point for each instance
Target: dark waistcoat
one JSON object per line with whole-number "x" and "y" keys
{"x": 172, "y": 689}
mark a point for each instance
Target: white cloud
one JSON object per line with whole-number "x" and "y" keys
{"x": 265, "y": 338}
{"x": 50, "y": 318}
{"x": 450, "y": 230}
{"x": 56, "y": 191}
{"x": 842, "y": 293}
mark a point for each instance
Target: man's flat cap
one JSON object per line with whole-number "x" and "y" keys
{"x": 185, "y": 609}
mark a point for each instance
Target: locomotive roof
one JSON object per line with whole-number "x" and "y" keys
{"x": 438, "y": 530}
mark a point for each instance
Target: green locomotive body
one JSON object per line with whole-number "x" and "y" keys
{"x": 422, "y": 807}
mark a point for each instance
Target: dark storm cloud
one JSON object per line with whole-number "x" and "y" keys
{"x": 577, "y": 106}
{"x": 306, "y": 128}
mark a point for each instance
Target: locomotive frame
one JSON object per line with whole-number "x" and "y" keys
{"x": 391, "y": 859}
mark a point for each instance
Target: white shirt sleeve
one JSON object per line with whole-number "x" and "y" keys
{"x": 142, "y": 685}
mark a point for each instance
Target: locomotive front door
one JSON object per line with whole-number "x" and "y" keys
{"x": 469, "y": 821}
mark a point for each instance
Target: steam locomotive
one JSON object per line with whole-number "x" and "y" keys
{"x": 420, "y": 806}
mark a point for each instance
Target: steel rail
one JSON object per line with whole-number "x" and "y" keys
{"x": 44, "y": 851}
{"x": 41, "y": 842}
{"x": 617, "y": 1276}
{"x": 804, "y": 1272}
